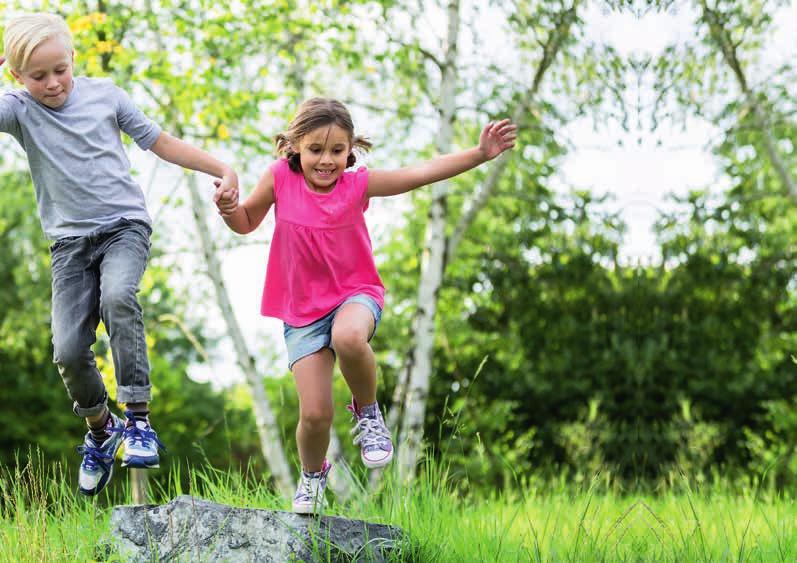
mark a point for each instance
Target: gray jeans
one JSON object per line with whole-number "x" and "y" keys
{"x": 95, "y": 277}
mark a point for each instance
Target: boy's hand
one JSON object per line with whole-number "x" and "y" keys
{"x": 225, "y": 198}
{"x": 228, "y": 182}
{"x": 496, "y": 138}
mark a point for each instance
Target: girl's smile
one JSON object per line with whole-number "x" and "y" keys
{"x": 323, "y": 153}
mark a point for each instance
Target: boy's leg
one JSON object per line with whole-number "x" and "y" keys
{"x": 313, "y": 376}
{"x": 75, "y": 316}
{"x": 125, "y": 251}
{"x": 124, "y": 258}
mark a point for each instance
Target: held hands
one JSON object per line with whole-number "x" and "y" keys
{"x": 226, "y": 197}
{"x": 2, "y": 60}
{"x": 496, "y": 138}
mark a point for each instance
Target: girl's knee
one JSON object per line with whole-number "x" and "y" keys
{"x": 348, "y": 339}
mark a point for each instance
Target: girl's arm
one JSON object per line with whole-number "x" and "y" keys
{"x": 176, "y": 151}
{"x": 246, "y": 217}
{"x": 494, "y": 139}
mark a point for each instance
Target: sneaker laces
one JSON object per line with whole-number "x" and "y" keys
{"x": 142, "y": 436}
{"x": 93, "y": 457}
{"x": 372, "y": 432}
{"x": 310, "y": 483}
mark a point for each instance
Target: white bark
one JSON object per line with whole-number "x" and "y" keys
{"x": 438, "y": 251}
{"x": 266, "y": 422}
{"x": 432, "y": 264}
{"x": 139, "y": 485}
{"x": 519, "y": 117}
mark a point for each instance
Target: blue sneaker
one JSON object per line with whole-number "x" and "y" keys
{"x": 141, "y": 444}
{"x": 97, "y": 466}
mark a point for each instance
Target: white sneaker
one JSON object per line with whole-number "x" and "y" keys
{"x": 96, "y": 469}
{"x": 373, "y": 437}
{"x": 141, "y": 444}
{"x": 309, "y": 498}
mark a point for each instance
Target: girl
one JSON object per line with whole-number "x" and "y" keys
{"x": 321, "y": 280}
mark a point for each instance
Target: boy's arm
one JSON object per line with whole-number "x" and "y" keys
{"x": 186, "y": 155}
{"x": 495, "y": 139}
{"x": 8, "y": 121}
{"x": 246, "y": 217}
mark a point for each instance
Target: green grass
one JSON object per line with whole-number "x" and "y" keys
{"x": 42, "y": 519}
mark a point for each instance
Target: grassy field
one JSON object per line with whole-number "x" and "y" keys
{"x": 43, "y": 519}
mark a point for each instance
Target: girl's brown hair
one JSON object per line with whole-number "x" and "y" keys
{"x": 312, "y": 114}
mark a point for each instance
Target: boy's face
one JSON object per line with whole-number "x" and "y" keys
{"x": 323, "y": 153}
{"x": 48, "y": 74}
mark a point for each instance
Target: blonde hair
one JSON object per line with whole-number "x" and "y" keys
{"x": 312, "y": 114}
{"x": 26, "y": 32}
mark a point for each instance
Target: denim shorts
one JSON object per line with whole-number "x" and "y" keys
{"x": 305, "y": 340}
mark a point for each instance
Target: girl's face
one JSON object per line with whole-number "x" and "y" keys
{"x": 48, "y": 74}
{"x": 323, "y": 153}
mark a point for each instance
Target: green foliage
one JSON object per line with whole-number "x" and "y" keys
{"x": 638, "y": 371}
{"x": 40, "y": 519}
{"x": 34, "y": 401}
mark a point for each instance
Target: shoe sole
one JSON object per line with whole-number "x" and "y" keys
{"x": 302, "y": 509}
{"x": 140, "y": 464}
{"x": 377, "y": 464}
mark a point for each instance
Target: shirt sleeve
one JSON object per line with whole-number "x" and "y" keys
{"x": 8, "y": 118}
{"x": 361, "y": 182}
{"x": 132, "y": 121}
{"x": 278, "y": 170}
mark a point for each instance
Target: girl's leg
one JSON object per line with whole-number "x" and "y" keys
{"x": 313, "y": 375}
{"x": 351, "y": 329}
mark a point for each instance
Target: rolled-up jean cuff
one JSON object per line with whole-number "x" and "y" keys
{"x": 134, "y": 394}
{"x": 91, "y": 411}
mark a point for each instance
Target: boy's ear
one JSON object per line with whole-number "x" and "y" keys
{"x": 16, "y": 75}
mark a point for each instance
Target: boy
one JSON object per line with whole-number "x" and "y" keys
{"x": 97, "y": 217}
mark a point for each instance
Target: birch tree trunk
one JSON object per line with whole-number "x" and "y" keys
{"x": 438, "y": 251}
{"x": 482, "y": 195}
{"x": 433, "y": 260}
{"x": 723, "y": 40}
{"x": 266, "y": 422}
{"x": 139, "y": 485}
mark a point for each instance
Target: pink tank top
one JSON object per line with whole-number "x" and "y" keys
{"x": 321, "y": 253}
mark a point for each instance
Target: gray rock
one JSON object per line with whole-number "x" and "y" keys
{"x": 192, "y": 529}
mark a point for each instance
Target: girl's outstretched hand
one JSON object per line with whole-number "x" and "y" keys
{"x": 497, "y": 137}
{"x": 226, "y": 199}
{"x": 2, "y": 60}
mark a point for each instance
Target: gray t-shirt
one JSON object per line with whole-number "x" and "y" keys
{"x": 79, "y": 166}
